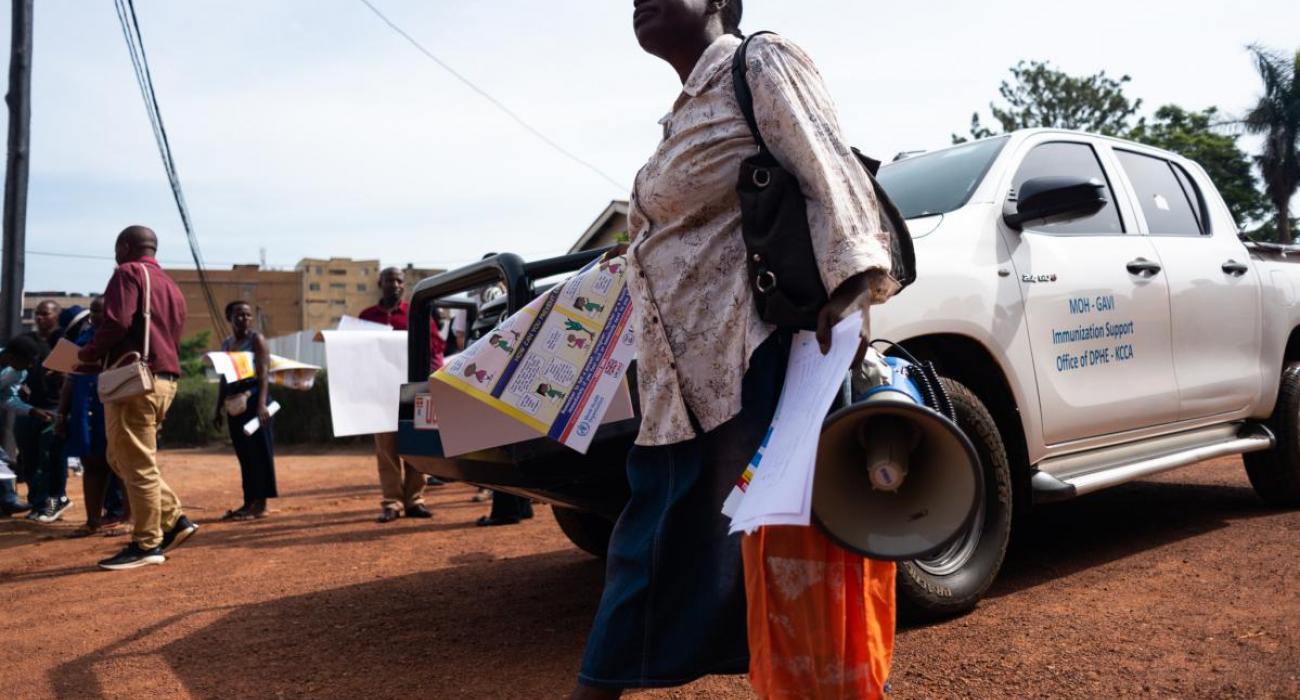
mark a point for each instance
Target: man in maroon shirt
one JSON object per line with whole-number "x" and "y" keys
{"x": 131, "y": 425}
{"x": 401, "y": 484}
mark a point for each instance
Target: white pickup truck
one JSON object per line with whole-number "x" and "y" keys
{"x": 1100, "y": 320}
{"x": 1087, "y": 302}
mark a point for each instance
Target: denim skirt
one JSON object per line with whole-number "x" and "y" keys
{"x": 673, "y": 608}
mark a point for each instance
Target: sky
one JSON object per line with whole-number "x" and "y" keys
{"x": 308, "y": 128}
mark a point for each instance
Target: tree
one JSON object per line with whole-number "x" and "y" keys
{"x": 1041, "y": 96}
{"x": 1192, "y": 135}
{"x": 191, "y": 353}
{"x": 1277, "y": 117}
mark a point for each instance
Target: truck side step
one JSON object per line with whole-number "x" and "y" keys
{"x": 1061, "y": 478}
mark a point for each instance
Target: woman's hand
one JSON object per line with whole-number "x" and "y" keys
{"x": 853, "y": 296}
{"x": 61, "y": 426}
{"x": 263, "y": 415}
{"x": 216, "y": 419}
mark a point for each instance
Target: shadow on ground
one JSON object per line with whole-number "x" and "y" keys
{"x": 520, "y": 623}
{"x": 394, "y": 637}
{"x": 1061, "y": 539}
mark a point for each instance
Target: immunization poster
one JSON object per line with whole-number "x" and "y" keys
{"x": 557, "y": 364}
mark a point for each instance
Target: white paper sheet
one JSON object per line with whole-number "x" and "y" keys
{"x": 780, "y": 492}
{"x": 366, "y": 373}
{"x": 255, "y": 424}
{"x": 352, "y": 323}
{"x": 63, "y": 358}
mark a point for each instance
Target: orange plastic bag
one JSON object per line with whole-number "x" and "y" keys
{"x": 821, "y": 619}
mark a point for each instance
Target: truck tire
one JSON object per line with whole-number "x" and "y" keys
{"x": 1275, "y": 473}
{"x": 588, "y": 531}
{"x": 952, "y": 582}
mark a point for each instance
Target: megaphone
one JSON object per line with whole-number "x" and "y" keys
{"x": 895, "y": 478}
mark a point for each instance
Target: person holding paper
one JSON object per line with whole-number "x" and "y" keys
{"x": 402, "y": 485}
{"x": 159, "y": 524}
{"x": 709, "y": 370}
{"x": 241, "y": 402}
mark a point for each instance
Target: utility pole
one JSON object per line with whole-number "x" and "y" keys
{"x": 15, "y": 207}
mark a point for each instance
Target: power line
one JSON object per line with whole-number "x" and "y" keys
{"x": 126, "y": 15}
{"x": 88, "y": 256}
{"x": 495, "y": 102}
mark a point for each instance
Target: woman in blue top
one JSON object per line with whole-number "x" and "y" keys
{"x": 243, "y": 401}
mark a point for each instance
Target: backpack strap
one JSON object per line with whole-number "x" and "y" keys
{"x": 739, "y": 68}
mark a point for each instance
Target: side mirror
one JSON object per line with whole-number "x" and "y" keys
{"x": 1054, "y": 199}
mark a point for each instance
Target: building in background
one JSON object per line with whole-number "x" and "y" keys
{"x": 334, "y": 287}
{"x": 63, "y": 299}
{"x": 275, "y": 295}
{"x": 414, "y": 275}
{"x": 605, "y": 230}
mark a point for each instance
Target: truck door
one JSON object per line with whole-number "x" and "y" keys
{"x": 1097, "y": 310}
{"x": 1214, "y": 293}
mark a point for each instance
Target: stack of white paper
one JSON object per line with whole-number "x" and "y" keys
{"x": 780, "y": 492}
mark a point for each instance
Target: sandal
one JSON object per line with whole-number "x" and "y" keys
{"x": 237, "y": 515}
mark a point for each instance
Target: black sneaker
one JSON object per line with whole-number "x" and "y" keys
{"x": 418, "y": 511}
{"x": 180, "y": 532}
{"x": 15, "y": 507}
{"x": 133, "y": 557}
{"x": 54, "y": 509}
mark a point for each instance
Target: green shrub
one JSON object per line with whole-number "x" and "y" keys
{"x": 304, "y": 416}
{"x": 189, "y": 421}
{"x": 303, "y": 419}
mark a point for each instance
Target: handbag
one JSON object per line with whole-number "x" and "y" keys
{"x": 236, "y": 404}
{"x": 783, "y": 274}
{"x": 130, "y": 376}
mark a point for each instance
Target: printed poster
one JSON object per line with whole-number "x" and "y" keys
{"x": 556, "y": 365}
{"x": 238, "y": 366}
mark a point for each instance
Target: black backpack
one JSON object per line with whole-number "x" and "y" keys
{"x": 783, "y": 272}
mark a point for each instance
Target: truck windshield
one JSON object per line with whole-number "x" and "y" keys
{"x": 937, "y": 183}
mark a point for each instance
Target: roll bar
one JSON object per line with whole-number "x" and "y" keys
{"x": 507, "y": 268}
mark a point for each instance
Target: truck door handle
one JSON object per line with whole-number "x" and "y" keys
{"x": 1234, "y": 268}
{"x": 1143, "y": 267}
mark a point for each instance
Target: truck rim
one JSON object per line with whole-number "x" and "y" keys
{"x": 953, "y": 557}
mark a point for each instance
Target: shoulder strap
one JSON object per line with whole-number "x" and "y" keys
{"x": 148, "y": 312}
{"x": 739, "y": 68}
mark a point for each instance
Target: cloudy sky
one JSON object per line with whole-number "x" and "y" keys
{"x": 309, "y": 128}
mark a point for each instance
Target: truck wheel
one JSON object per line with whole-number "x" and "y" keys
{"x": 588, "y": 531}
{"x": 952, "y": 581}
{"x": 1275, "y": 473}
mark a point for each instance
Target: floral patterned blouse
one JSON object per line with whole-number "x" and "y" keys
{"x": 696, "y": 324}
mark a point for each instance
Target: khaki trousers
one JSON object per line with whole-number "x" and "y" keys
{"x": 402, "y": 484}
{"x": 131, "y": 428}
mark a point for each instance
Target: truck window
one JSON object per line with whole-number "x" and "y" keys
{"x": 1193, "y": 193}
{"x": 1165, "y": 201}
{"x": 1077, "y": 159}
{"x": 940, "y": 182}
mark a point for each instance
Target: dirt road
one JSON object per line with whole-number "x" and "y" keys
{"x": 1185, "y": 586}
